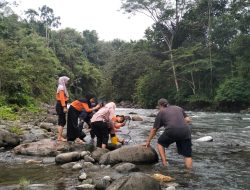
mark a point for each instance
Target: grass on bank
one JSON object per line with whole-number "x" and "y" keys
{"x": 14, "y": 112}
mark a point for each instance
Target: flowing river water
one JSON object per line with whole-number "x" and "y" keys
{"x": 221, "y": 164}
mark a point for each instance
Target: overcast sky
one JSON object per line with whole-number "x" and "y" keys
{"x": 100, "y": 15}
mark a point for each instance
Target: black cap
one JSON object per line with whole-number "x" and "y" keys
{"x": 163, "y": 102}
{"x": 89, "y": 96}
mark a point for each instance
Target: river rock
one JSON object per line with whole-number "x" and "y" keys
{"x": 138, "y": 181}
{"x": 98, "y": 152}
{"x": 8, "y": 139}
{"x": 152, "y": 115}
{"x": 84, "y": 153}
{"x": 170, "y": 188}
{"x": 68, "y": 165}
{"x": 126, "y": 168}
{"x": 83, "y": 176}
{"x": 51, "y": 119}
{"x": 88, "y": 158}
{"x": 67, "y": 157}
{"x": 87, "y": 181}
{"x": 47, "y": 126}
{"x": 34, "y": 134}
{"x": 48, "y": 147}
{"x": 32, "y": 161}
{"x": 45, "y": 147}
{"x": 103, "y": 183}
{"x": 37, "y": 187}
{"x": 204, "y": 139}
{"x": 137, "y": 118}
{"x": 88, "y": 164}
{"x": 77, "y": 166}
{"x": 132, "y": 154}
{"x": 85, "y": 187}
{"x": 51, "y": 111}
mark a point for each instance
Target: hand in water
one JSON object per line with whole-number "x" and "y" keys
{"x": 147, "y": 144}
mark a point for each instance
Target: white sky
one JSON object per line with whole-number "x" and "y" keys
{"x": 100, "y": 15}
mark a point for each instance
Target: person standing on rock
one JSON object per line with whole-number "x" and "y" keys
{"x": 175, "y": 121}
{"x": 76, "y": 107}
{"x": 62, "y": 97}
{"x": 102, "y": 122}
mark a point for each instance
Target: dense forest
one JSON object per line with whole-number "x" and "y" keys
{"x": 196, "y": 54}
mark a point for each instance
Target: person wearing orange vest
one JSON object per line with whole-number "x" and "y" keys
{"x": 118, "y": 123}
{"x": 76, "y": 107}
{"x": 62, "y": 97}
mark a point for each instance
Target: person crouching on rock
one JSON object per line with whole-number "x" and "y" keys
{"x": 118, "y": 123}
{"x": 102, "y": 122}
{"x": 73, "y": 131}
{"x": 62, "y": 97}
{"x": 175, "y": 120}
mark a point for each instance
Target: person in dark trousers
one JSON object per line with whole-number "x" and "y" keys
{"x": 175, "y": 121}
{"x": 102, "y": 122}
{"x": 62, "y": 97}
{"x": 76, "y": 107}
{"x": 85, "y": 117}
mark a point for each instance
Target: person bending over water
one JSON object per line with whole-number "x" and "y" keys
{"x": 175, "y": 120}
{"x": 101, "y": 124}
{"x": 76, "y": 107}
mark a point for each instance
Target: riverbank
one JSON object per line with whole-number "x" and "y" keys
{"x": 30, "y": 142}
{"x": 213, "y": 161}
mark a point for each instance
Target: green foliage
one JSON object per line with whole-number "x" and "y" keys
{"x": 17, "y": 130}
{"x": 24, "y": 183}
{"x": 7, "y": 113}
{"x": 151, "y": 87}
{"x": 203, "y": 53}
{"x": 240, "y": 49}
{"x": 234, "y": 90}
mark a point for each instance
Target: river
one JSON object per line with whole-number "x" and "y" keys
{"x": 221, "y": 164}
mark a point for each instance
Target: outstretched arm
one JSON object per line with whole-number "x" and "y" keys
{"x": 151, "y": 136}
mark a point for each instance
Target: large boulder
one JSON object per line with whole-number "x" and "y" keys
{"x": 8, "y": 139}
{"x": 132, "y": 154}
{"x": 48, "y": 147}
{"x": 98, "y": 152}
{"x": 45, "y": 147}
{"x": 138, "y": 181}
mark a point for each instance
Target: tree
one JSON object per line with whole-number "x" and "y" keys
{"x": 48, "y": 19}
{"x": 164, "y": 14}
{"x": 31, "y": 15}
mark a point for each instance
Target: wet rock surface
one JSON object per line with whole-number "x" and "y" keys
{"x": 133, "y": 154}
{"x": 8, "y": 139}
{"x": 228, "y": 152}
{"x": 138, "y": 181}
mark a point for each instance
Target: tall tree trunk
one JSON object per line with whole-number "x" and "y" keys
{"x": 193, "y": 83}
{"x": 169, "y": 43}
{"x": 174, "y": 69}
{"x": 209, "y": 46}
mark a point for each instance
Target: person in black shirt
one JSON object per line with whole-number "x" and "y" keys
{"x": 175, "y": 121}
